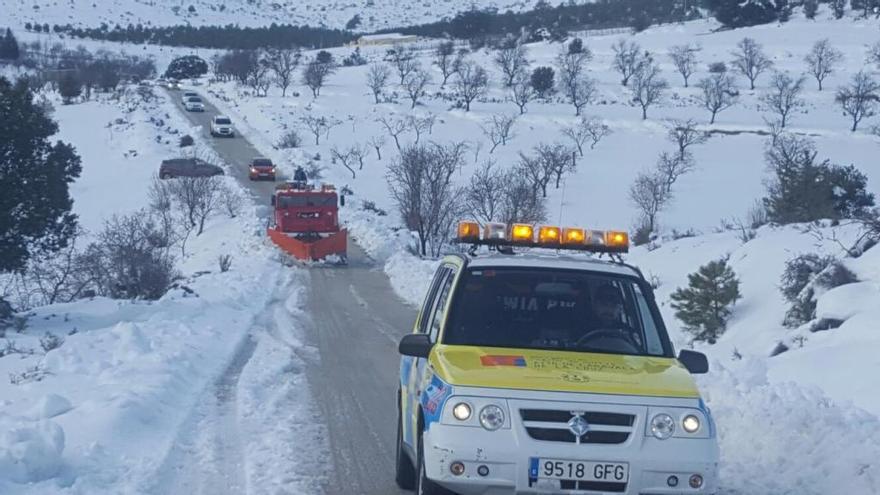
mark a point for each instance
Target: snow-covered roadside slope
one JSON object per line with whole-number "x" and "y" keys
{"x": 100, "y": 413}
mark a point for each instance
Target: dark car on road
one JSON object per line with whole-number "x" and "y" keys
{"x": 187, "y": 167}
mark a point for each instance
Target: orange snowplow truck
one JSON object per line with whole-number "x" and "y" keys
{"x": 306, "y": 222}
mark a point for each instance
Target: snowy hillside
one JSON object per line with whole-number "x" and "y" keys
{"x": 730, "y": 177}
{"x": 375, "y": 14}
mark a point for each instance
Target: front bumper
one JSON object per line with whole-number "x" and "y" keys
{"x": 507, "y": 455}
{"x": 261, "y": 175}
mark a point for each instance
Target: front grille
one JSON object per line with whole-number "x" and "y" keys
{"x": 551, "y": 425}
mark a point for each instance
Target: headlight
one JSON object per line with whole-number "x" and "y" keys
{"x": 690, "y": 423}
{"x": 492, "y": 417}
{"x": 662, "y": 426}
{"x": 462, "y": 411}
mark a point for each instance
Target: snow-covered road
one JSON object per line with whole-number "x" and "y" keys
{"x": 352, "y": 320}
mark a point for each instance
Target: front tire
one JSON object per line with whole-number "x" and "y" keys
{"x": 405, "y": 473}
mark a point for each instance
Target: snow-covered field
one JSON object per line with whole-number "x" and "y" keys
{"x": 375, "y": 14}
{"x": 812, "y": 405}
{"x": 113, "y": 407}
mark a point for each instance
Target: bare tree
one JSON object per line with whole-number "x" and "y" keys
{"x": 485, "y": 193}
{"x": 283, "y": 63}
{"x": 377, "y": 79}
{"x": 684, "y": 134}
{"x": 522, "y": 93}
{"x": 319, "y": 125}
{"x": 161, "y": 205}
{"x": 404, "y": 60}
{"x": 628, "y": 59}
{"x": 549, "y": 160}
{"x": 672, "y": 166}
{"x": 420, "y": 125}
{"x": 558, "y": 158}
{"x": 471, "y": 82}
{"x": 421, "y": 184}
{"x": 377, "y": 142}
{"x": 394, "y": 127}
{"x": 445, "y": 59}
{"x": 647, "y": 86}
{"x": 260, "y": 79}
{"x": 873, "y": 56}
{"x": 499, "y": 129}
{"x": 648, "y": 194}
{"x": 315, "y": 75}
{"x": 359, "y": 152}
{"x": 586, "y": 128}
{"x": 232, "y": 201}
{"x": 750, "y": 60}
{"x": 684, "y": 57}
{"x": 784, "y": 95}
{"x": 717, "y": 93}
{"x": 346, "y": 157}
{"x": 513, "y": 61}
{"x": 198, "y": 198}
{"x": 415, "y": 84}
{"x": 822, "y": 60}
{"x": 535, "y": 172}
{"x": 860, "y": 98}
{"x": 519, "y": 203}
{"x": 573, "y": 81}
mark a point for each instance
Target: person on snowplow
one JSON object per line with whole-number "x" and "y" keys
{"x": 299, "y": 177}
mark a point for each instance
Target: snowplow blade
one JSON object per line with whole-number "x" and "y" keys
{"x": 313, "y": 249}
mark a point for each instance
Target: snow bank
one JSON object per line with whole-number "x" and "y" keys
{"x": 279, "y": 420}
{"x": 844, "y": 302}
{"x": 410, "y": 276}
{"x": 788, "y": 439}
{"x": 30, "y": 452}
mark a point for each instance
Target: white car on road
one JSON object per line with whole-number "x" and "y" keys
{"x": 187, "y": 94}
{"x": 194, "y": 104}
{"x": 221, "y": 126}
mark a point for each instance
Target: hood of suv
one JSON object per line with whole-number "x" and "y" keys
{"x": 559, "y": 371}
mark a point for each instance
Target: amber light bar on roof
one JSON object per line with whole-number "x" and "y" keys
{"x": 544, "y": 236}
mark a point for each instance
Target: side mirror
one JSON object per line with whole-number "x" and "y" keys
{"x": 342, "y": 200}
{"x": 272, "y": 200}
{"x": 416, "y": 345}
{"x": 695, "y": 362}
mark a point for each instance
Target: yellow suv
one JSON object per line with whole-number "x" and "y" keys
{"x": 540, "y": 373}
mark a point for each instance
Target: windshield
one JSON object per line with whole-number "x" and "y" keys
{"x": 261, "y": 162}
{"x": 222, "y": 121}
{"x": 194, "y": 99}
{"x": 307, "y": 200}
{"x": 550, "y": 309}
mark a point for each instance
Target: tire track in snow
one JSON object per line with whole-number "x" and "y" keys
{"x": 207, "y": 456}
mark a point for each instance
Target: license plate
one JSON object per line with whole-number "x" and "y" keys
{"x": 565, "y": 469}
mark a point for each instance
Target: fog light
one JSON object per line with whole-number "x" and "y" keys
{"x": 457, "y": 468}
{"x": 672, "y": 481}
{"x": 483, "y": 471}
{"x": 696, "y": 481}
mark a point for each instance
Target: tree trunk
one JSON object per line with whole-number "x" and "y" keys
{"x": 713, "y": 118}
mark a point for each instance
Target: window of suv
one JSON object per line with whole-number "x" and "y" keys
{"x": 222, "y": 121}
{"x": 552, "y": 309}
